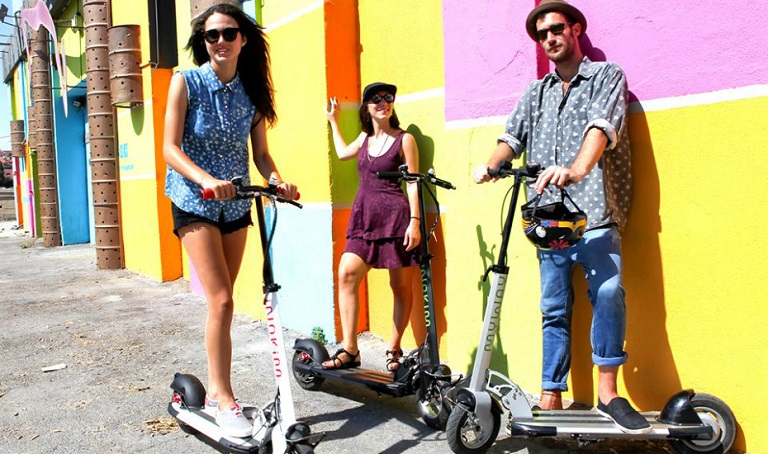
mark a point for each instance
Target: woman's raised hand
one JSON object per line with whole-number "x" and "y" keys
{"x": 332, "y": 110}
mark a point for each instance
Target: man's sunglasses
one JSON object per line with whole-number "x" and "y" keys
{"x": 229, "y": 34}
{"x": 556, "y": 30}
{"x": 377, "y": 98}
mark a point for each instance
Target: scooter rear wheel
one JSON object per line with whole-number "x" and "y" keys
{"x": 717, "y": 413}
{"x": 308, "y": 381}
{"x": 464, "y": 433}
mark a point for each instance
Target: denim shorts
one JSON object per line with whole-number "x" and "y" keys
{"x": 182, "y": 218}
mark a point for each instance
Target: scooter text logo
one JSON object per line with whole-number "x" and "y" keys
{"x": 493, "y": 326}
{"x": 427, "y": 314}
{"x": 272, "y": 328}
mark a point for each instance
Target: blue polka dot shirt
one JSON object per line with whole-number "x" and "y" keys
{"x": 550, "y": 126}
{"x": 216, "y": 132}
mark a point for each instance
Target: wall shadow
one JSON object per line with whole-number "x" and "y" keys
{"x": 650, "y": 374}
{"x": 436, "y": 246}
{"x": 499, "y": 359}
{"x": 137, "y": 119}
{"x": 426, "y": 148}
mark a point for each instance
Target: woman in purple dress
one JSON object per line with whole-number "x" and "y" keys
{"x": 383, "y": 230}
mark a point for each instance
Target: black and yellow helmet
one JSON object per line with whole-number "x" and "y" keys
{"x": 553, "y": 226}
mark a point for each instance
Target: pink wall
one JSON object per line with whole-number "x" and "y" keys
{"x": 666, "y": 48}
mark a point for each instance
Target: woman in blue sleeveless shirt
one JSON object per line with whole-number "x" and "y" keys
{"x": 212, "y": 111}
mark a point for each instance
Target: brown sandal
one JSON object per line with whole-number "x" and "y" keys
{"x": 354, "y": 360}
{"x": 393, "y": 357}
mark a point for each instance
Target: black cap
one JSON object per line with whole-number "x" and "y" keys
{"x": 375, "y": 87}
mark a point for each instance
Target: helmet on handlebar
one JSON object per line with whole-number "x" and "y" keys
{"x": 553, "y": 226}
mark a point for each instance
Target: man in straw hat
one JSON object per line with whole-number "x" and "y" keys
{"x": 573, "y": 122}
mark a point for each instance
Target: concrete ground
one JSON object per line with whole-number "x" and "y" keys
{"x": 112, "y": 341}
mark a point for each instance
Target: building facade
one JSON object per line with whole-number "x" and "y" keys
{"x": 698, "y": 98}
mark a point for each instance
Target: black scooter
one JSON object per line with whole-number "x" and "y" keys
{"x": 275, "y": 429}
{"x": 693, "y": 423}
{"x": 420, "y": 370}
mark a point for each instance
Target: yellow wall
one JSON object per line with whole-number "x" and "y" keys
{"x": 297, "y": 143}
{"x": 415, "y": 68}
{"x": 691, "y": 271}
{"x": 149, "y": 247}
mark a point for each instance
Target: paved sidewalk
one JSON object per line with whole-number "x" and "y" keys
{"x": 115, "y": 339}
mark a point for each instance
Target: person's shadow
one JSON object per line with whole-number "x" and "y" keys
{"x": 436, "y": 243}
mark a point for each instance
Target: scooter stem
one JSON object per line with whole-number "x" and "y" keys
{"x": 284, "y": 399}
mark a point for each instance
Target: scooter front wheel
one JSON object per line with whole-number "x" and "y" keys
{"x": 433, "y": 408}
{"x": 432, "y": 403}
{"x": 716, "y": 413}
{"x": 306, "y": 380}
{"x": 466, "y": 435}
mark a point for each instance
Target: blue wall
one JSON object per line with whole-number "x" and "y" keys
{"x": 72, "y": 167}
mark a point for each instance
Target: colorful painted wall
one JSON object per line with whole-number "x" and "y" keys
{"x": 303, "y": 251}
{"x": 699, "y": 98}
{"x": 149, "y": 246}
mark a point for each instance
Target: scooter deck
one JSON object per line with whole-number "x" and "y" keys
{"x": 379, "y": 381}
{"x": 203, "y": 426}
{"x": 589, "y": 424}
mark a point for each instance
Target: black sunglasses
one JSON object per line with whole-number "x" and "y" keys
{"x": 389, "y": 98}
{"x": 229, "y": 34}
{"x": 556, "y": 30}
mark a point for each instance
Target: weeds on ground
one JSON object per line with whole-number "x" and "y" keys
{"x": 28, "y": 244}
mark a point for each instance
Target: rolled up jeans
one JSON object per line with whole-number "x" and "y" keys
{"x": 599, "y": 254}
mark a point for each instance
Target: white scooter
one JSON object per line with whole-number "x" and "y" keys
{"x": 693, "y": 423}
{"x": 275, "y": 429}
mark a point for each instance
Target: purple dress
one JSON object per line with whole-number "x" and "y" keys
{"x": 381, "y": 213}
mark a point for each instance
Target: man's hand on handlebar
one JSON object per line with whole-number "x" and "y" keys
{"x": 558, "y": 176}
{"x": 480, "y": 174}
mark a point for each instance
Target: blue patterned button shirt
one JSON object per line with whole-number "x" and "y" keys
{"x": 216, "y": 133}
{"x": 550, "y": 126}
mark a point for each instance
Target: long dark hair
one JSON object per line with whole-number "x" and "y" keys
{"x": 366, "y": 122}
{"x": 253, "y": 62}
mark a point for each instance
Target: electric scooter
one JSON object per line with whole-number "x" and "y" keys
{"x": 275, "y": 429}
{"x": 691, "y": 422}
{"x": 420, "y": 370}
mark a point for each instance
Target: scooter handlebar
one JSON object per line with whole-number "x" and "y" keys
{"x": 403, "y": 174}
{"x": 389, "y": 175}
{"x": 531, "y": 170}
{"x": 249, "y": 192}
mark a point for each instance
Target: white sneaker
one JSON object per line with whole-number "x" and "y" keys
{"x": 212, "y": 406}
{"x": 233, "y": 423}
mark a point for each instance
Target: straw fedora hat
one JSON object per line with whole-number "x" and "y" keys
{"x": 559, "y": 6}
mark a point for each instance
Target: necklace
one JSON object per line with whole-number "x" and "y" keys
{"x": 381, "y": 149}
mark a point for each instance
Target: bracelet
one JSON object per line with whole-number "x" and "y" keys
{"x": 414, "y": 217}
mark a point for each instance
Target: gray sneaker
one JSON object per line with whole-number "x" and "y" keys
{"x": 233, "y": 423}
{"x": 623, "y": 415}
